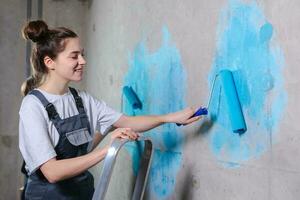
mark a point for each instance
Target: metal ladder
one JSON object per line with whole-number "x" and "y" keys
{"x": 109, "y": 163}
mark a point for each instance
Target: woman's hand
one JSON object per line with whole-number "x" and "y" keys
{"x": 124, "y": 133}
{"x": 183, "y": 116}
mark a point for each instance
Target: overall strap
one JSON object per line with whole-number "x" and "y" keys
{"x": 78, "y": 100}
{"x": 53, "y": 115}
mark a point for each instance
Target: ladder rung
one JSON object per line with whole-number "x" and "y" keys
{"x": 109, "y": 163}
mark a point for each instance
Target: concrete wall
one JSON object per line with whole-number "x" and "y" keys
{"x": 169, "y": 52}
{"x": 136, "y": 42}
{"x": 12, "y": 64}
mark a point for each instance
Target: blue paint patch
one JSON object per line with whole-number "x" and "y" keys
{"x": 265, "y": 32}
{"x": 246, "y": 46}
{"x": 158, "y": 79}
{"x": 163, "y": 173}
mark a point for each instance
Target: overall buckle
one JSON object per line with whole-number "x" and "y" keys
{"x": 51, "y": 111}
{"x": 78, "y": 102}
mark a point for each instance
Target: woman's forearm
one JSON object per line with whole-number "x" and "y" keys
{"x": 56, "y": 170}
{"x": 145, "y": 123}
{"x": 141, "y": 123}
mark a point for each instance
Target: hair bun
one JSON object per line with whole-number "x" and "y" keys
{"x": 35, "y": 31}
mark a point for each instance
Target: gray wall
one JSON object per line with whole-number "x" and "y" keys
{"x": 110, "y": 31}
{"x": 114, "y": 28}
{"x": 12, "y": 49}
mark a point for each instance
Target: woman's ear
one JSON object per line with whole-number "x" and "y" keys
{"x": 50, "y": 64}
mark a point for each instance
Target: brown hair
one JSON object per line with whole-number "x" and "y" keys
{"x": 47, "y": 42}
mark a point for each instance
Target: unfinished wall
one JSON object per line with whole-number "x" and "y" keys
{"x": 169, "y": 52}
{"x": 12, "y": 65}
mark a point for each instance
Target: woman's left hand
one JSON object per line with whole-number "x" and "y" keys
{"x": 182, "y": 117}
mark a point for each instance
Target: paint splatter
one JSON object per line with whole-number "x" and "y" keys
{"x": 246, "y": 46}
{"x": 159, "y": 79}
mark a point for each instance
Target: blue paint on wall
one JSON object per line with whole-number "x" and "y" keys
{"x": 246, "y": 46}
{"x": 159, "y": 79}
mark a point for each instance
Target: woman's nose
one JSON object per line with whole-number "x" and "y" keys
{"x": 82, "y": 60}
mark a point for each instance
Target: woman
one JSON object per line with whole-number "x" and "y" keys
{"x": 60, "y": 127}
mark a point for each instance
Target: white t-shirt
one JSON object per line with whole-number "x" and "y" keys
{"x": 38, "y": 135}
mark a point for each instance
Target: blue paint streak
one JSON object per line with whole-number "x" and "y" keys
{"x": 246, "y": 46}
{"x": 158, "y": 79}
{"x": 163, "y": 173}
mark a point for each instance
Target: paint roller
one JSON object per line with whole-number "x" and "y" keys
{"x": 235, "y": 112}
{"x": 132, "y": 97}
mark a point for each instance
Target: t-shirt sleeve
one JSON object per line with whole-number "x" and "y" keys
{"x": 34, "y": 141}
{"x": 105, "y": 115}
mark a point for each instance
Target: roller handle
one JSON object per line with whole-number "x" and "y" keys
{"x": 200, "y": 111}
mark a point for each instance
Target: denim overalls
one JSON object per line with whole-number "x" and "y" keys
{"x": 74, "y": 136}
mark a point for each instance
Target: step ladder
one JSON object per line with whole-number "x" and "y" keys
{"x": 109, "y": 163}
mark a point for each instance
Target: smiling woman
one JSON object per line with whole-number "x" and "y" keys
{"x": 51, "y": 46}
{"x": 69, "y": 64}
{"x": 59, "y": 126}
